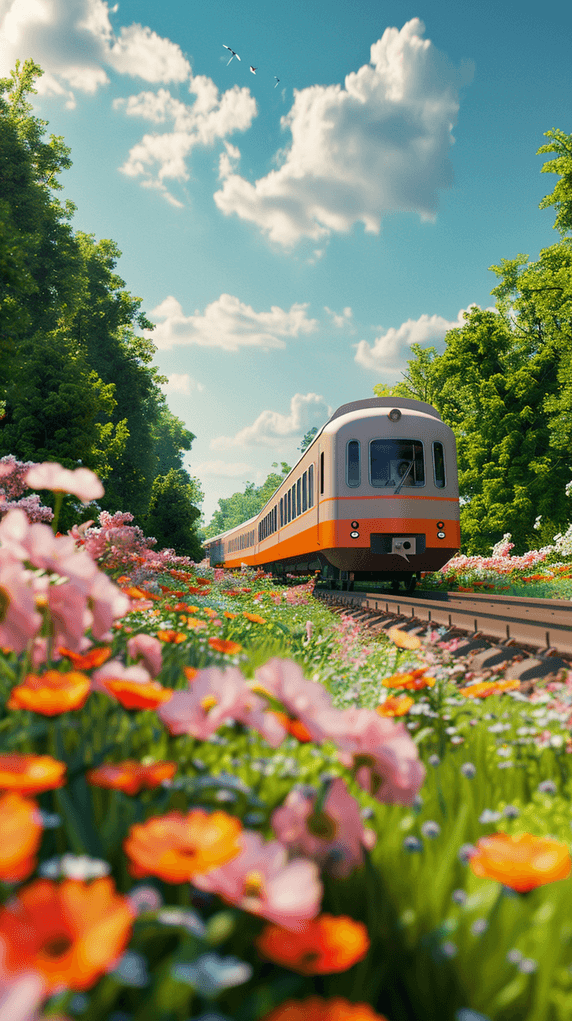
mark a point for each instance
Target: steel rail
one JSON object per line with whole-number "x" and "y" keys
{"x": 542, "y": 624}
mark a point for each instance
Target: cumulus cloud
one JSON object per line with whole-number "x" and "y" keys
{"x": 272, "y": 429}
{"x": 163, "y": 155}
{"x": 181, "y": 383}
{"x": 221, "y": 469}
{"x": 229, "y": 324}
{"x": 74, "y": 42}
{"x": 377, "y": 144}
{"x": 391, "y": 349}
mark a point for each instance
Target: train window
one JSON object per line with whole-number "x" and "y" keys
{"x": 305, "y": 491}
{"x": 275, "y": 518}
{"x": 352, "y": 463}
{"x": 289, "y": 505}
{"x": 281, "y": 511}
{"x": 438, "y": 465}
{"x": 299, "y": 496}
{"x": 396, "y": 462}
{"x": 311, "y": 486}
{"x": 294, "y": 500}
{"x": 321, "y": 473}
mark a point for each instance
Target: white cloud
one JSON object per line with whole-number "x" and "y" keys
{"x": 74, "y": 42}
{"x": 221, "y": 469}
{"x": 340, "y": 320}
{"x": 391, "y": 349}
{"x": 229, "y": 324}
{"x": 181, "y": 383}
{"x": 161, "y": 156}
{"x": 272, "y": 429}
{"x": 377, "y": 144}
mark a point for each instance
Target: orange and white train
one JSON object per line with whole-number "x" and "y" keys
{"x": 374, "y": 497}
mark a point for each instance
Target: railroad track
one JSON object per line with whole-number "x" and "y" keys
{"x": 533, "y": 637}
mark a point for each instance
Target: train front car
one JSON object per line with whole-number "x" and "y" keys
{"x": 393, "y": 505}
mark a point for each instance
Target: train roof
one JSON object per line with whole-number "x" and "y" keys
{"x": 405, "y": 403}
{"x": 385, "y": 402}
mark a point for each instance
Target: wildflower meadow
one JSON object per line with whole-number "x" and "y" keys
{"x": 221, "y": 801}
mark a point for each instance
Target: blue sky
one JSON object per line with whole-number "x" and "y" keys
{"x": 292, "y": 241}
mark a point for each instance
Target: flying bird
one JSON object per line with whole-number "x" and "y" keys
{"x": 277, "y": 80}
{"x": 253, "y": 69}
{"x": 232, "y": 52}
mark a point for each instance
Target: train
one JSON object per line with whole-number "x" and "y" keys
{"x": 374, "y": 497}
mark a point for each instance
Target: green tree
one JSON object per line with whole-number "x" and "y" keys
{"x": 172, "y": 516}
{"x": 561, "y": 195}
{"x": 308, "y": 437}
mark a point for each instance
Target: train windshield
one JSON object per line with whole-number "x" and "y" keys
{"x": 396, "y": 463}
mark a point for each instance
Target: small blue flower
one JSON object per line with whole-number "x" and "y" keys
{"x": 211, "y": 973}
{"x": 469, "y": 770}
{"x": 430, "y": 829}
{"x": 465, "y": 852}
{"x": 514, "y": 956}
{"x": 547, "y": 787}
{"x": 481, "y": 925}
{"x": 466, "y": 1014}
{"x": 434, "y": 760}
{"x": 487, "y": 816}
{"x": 527, "y": 966}
{"x": 413, "y": 844}
{"x": 459, "y": 896}
{"x": 448, "y": 948}
{"x": 131, "y": 969}
{"x": 511, "y": 812}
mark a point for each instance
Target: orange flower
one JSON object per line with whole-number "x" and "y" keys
{"x": 131, "y": 776}
{"x": 521, "y": 862}
{"x": 413, "y": 680}
{"x": 175, "y": 637}
{"x": 402, "y": 639}
{"x": 190, "y": 672}
{"x": 69, "y": 932}
{"x": 21, "y": 837}
{"x": 31, "y": 774}
{"x": 136, "y": 695}
{"x": 293, "y": 726}
{"x": 51, "y": 693}
{"x": 137, "y": 593}
{"x": 90, "y": 659}
{"x": 196, "y": 591}
{"x": 254, "y": 618}
{"x": 395, "y": 705}
{"x": 318, "y": 947}
{"x": 124, "y": 579}
{"x": 317, "y": 1009}
{"x": 224, "y": 645}
{"x": 175, "y": 847}
{"x": 485, "y": 688}
{"x": 230, "y": 616}
{"x": 202, "y": 581}
{"x": 196, "y": 625}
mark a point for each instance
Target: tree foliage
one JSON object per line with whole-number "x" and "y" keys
{"x": 172, "y": 516}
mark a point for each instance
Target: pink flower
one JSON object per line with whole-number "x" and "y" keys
{"x": 149, "y": 650}
{"x": 384, "y": 758}
{"x": 19, "y": 618}
{"x": 215, "y": 696}
{"x": 261, "y": 881}
{"x": 107, "y": 602}
{"x": 303, "y": 700}
{"x": 20, "y": 997}
{"x": 81, "y": 482}
{"x": 334, "y": 837}
{"x": 115, "y": 670}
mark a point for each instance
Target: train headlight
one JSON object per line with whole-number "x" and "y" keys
{"x": 394, "y": 415}
{"x": 440, "y": 535}
{"x": 354, "y": 535}
{"x": 355, "y": 524}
